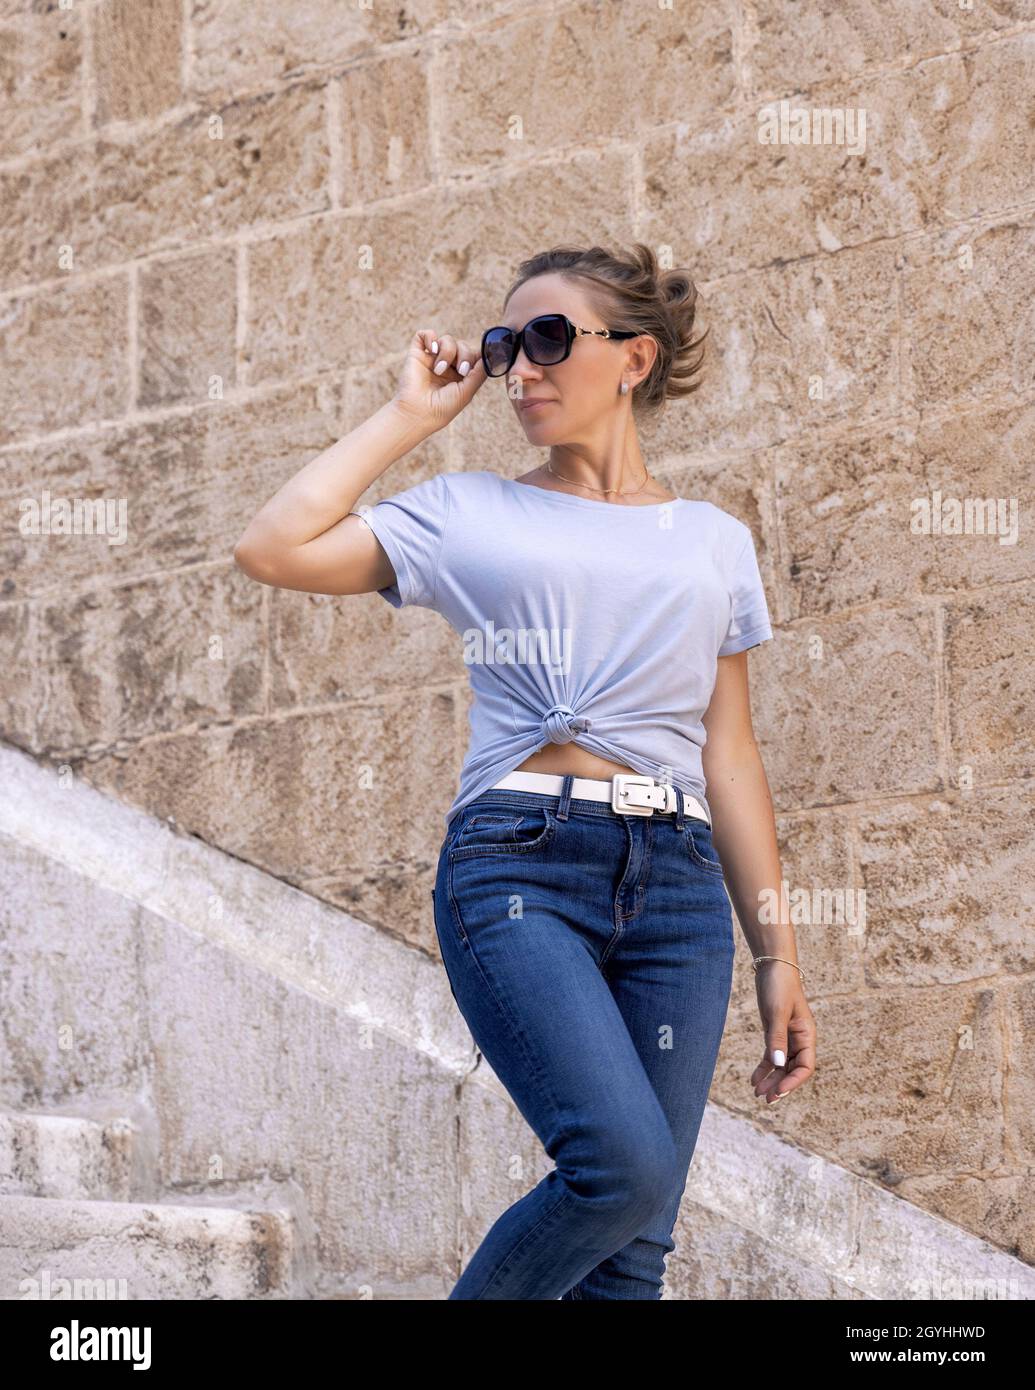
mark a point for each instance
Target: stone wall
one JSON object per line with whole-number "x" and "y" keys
{"x": 221, "y": 222}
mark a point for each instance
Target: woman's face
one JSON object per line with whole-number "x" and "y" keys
{"x": 580, "y": 393}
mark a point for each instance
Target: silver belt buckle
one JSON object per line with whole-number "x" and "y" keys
{"x": 636, "y": 795}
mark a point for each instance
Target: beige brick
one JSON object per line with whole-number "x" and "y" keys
{"x": 327, "y": 648}
{"x": 385, "y": 128}
{"x": 136, "y": 191}
{"x": 19, "y": 692}
{"x": 981, "y": 456}
{"x": 846, "y": 509}
{"x": 814, "y": 42}
{"x": 242, "y": 44}
{"x": 991, "y": 676}
{"x": 968, "y": 132}
{"x": 137, "y": 659}
{"x": 41, "y": 98}
{"x": 138, "y": 57}
{"x": 932, "y": 153}
{"x": 950, "y": 888}
{"x": 873, "y": 676}
{"x": 1020, "y": 1083}
{"x": 63, "y": 357}
{"x": 367, "y": 389}
{"x": 46, "y": 217}
{"x": 774, "y": 334}
{"x": 968, "y": 330}
{"x": 187, "y": 334}
{"x": 313, "y": 304}
{"x": 844, "y": 521}
{"x": 798, "y": 200}
{"x": 191, "y": 486}
{"x": 537, "y": 81}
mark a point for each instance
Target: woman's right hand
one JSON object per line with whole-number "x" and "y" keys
{"x": 434, "y": 398}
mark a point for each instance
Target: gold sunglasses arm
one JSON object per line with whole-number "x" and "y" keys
{"x": 602, "y": 332}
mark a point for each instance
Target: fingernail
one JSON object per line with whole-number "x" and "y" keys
{"x": 779, "y": 1095}
{"x": 434, "y": 346}
{"x": 441, "y": 368}
{"x": 464, "y": 368}
{"x": 779, "y": 1058}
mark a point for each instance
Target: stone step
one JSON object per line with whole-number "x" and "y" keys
{"x": 65, "y": 1157}
{"x": 53, "y": 1248}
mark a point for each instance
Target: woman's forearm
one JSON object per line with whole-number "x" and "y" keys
{"x": 328, "y": 487}
{"x": 744, "y": 835}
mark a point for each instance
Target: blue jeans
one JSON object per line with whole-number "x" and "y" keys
{"x": 591, "y": 955}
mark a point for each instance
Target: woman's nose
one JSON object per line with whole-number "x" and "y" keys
{"x": 524, "y": 370}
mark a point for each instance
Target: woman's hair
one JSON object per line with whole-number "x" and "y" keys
{"x": 631, "y": 292}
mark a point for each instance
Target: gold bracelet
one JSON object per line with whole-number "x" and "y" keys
{"x": 754, "y": 964}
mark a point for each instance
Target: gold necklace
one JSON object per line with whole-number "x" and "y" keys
{"x": 646, "y": 480}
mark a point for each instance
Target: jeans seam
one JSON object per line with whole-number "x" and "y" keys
{"x": 536, "y": 1068}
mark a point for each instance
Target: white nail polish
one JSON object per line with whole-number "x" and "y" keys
{"x": 434, "y": 346}
{"x": 779, "y": 1058}
{"x": 441, "y": 368}
{"x": 464, "y": 368}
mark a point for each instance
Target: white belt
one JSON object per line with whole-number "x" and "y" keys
{"x": 630, "y": 795}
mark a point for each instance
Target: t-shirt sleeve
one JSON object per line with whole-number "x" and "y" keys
{"x": 749, "y": 623}
{"x": 411, "y": 526}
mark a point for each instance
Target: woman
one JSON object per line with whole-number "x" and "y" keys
{"x": 580, "y": 902}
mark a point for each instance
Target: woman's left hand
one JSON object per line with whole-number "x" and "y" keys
{"x": 790, "y": 1031}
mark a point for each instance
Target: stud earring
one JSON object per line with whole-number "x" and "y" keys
{"x": 625, "y": 388}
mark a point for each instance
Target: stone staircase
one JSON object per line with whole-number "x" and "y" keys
{"x": 212, "y": 1085}
{"x": 68, "y": 1228}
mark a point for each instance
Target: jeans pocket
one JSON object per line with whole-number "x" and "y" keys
{"x": 503, "y": 832}
{"x": 697, "y": 836}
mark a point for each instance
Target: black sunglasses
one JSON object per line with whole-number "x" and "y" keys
{"x": 547, "y": 340}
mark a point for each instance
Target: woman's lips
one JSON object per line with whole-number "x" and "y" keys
{"x": 531, "y": 405}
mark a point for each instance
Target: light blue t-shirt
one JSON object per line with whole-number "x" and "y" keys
{"x": 581, "y": 620}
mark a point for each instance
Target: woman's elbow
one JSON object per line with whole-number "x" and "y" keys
{"x": 254, "y": 559}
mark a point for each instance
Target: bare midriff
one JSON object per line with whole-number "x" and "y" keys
{"x": 569, "y": 757}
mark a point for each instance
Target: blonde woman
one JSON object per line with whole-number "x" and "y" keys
{"x": 613, "y": 804}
